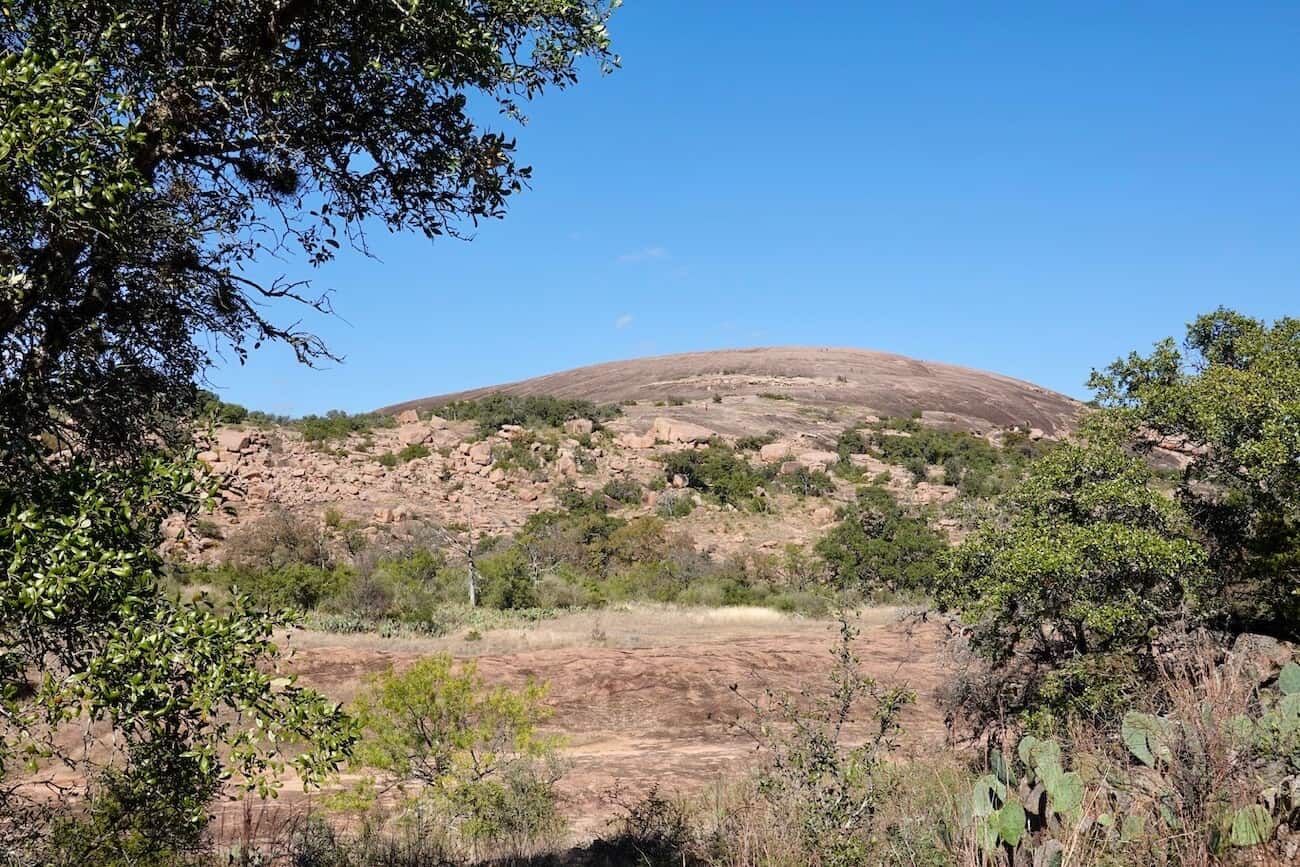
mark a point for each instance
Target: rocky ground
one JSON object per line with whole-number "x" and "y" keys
{"x": 464, "y": 481}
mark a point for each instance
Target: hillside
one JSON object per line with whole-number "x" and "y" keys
{"x": 392, "y": 483}
{"x": 877, "y": 383}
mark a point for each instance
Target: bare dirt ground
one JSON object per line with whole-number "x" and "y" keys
{"x": 643, "y": 696}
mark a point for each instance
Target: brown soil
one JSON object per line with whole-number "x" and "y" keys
{"x": 644, "y": 697}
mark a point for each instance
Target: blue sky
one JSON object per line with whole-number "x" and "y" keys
{"x": 1029, "y": 188}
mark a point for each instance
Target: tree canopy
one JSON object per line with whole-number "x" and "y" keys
{"x": 153, "y": 149}
{"x": 154, "y": 154}
{"x": 1230, "y": 398}
{"x": 1085, "y": 567}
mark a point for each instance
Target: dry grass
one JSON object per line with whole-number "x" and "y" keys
{"x": 631, "y": 625}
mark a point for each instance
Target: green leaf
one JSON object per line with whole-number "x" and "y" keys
{"x": 987, "y": 789}
{"x": 1011, "y": 822}
{"x": 1289, "y": 680}
{"x": 1065, "y": 792}
{"x": 1132, "y": 828}
{"x": 1251, "y": 826}
{"x": 1146, "y": 737}
{"x": 1001, "y": 768}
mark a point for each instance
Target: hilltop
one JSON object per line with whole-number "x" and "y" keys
{"x": 876, "y": 383}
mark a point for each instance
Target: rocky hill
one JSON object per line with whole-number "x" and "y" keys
{"x": 878, "y": 383}
{"x": 391, "y": 482}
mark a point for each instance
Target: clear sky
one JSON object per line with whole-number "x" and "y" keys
{"x": 1029, "y": 188}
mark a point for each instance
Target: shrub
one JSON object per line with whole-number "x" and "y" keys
{"x": 413, "y": 452}
{"x": 850, "y": 442}
{"x": 719, "y": 471}
{"x": 507, "y": 582}
{"x": 296, "y": 586}
{"x": 472, "y": 756}
{"x": 205, "y": 528}
{"x": 877, "y": 545}
{"x": 623, "y": 490}
{"x": 279, "y": 539}
{"x": 754, "y": 442}
{"x": 675, "y": 504}
{"x": 808, "y": 483}
{"x": 1091, "y": 561}
{"x": 829, "y": 788}
{"x": 337, "y": 424}
{"x": 533, "y": 411}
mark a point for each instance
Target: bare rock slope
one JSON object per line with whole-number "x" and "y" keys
{"x": 874, "y": 382}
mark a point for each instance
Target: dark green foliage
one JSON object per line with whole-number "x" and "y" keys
{"x": 388, "y": 459}
{"x": 971, "y": 463}
{"x": 337, "y": 424}
{"x": 177, "y": 682}
{"x": 532, "y": 411}
{"x": 718, "y": 470}
{"x": 850, "y": 442}
{"x": 808, "y": 483}
{"x": 211, "y": 406}
{"x": 623, "y": 490}
{"x": 1231, "y": 393}
{"x": 296, "y": 586}
{"x": 755, "y": 442}
{"x": 878, "y": 545}
{"x": 523, "y": 453}
{"x": 144, "y": 165}
{"x": 1091, "y": 562}
{"x": 413, "y": 452}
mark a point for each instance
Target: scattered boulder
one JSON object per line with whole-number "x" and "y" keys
{"x": 408, "y": 416}
{"x": 637, "y": 441}
{"x": 669, "y": 430}
{"x": 818, "y": 459}
{"x": 579, "y": 426}
{"x": 413, "y": 434}
{"x": 480, "y": 453}
{"x": 566, "y": 466}
{"x": 789, "y": 468}
{"x": 231, "y": 440}
{"x": 773, "y": 452}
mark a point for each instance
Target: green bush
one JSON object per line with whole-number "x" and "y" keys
{"x": 718, "y": 470}
{"x": 533, "y": 411}
{"x": 878, "y": 545}
{"x": 675, "y": 504}
{"x": 507, "y": 582}
{"x": 808, "y": 483}
{"x": 754, "y": 442}
{"x": 297, "y": 586}
{"x": 1090, "y": 561}
{"x": 476, "y": 764}
{"x": 337, "y": 424}
{"x": 623, "y": 490}
{"x": 413, "y": 452}
{"x": 525, "y": 453}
